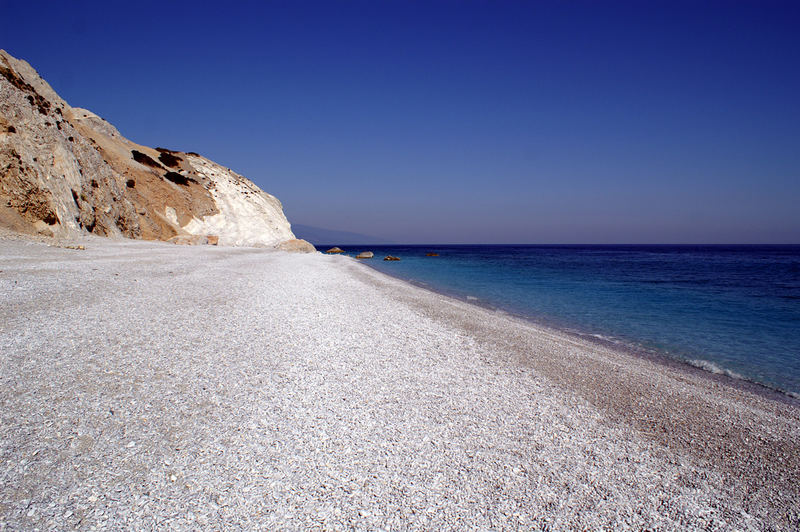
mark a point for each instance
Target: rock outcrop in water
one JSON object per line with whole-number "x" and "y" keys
{"x": 65, "y": 171}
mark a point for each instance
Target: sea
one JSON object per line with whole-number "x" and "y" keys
{"x": 730, "y": 310}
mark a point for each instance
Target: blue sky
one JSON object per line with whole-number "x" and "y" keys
{"x": 450, "y": 122}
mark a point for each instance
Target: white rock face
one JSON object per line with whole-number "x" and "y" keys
{"x": 247, "y": 216}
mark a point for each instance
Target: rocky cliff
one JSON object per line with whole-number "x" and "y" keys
{"x": 65, "y": 171}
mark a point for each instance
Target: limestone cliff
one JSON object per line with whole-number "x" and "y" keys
{"x": 65, "y": 171}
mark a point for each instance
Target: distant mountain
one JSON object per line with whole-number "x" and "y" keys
{"x": 318, "y": 235}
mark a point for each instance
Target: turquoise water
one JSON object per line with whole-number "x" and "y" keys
{"x": 728, "y": 309}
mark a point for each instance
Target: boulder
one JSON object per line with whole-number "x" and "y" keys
{"x": 365, "y": 255}
{"x": 213, "y": 240}
{"x": 390, "y": 257}
{"x": 189, "y": 240}
{"x": 296, "y": 245}
{"x": 431, "y": 254}
{"x": 335, "y": 250}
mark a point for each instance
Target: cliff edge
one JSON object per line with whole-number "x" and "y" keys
{"x": 65, "y": 171}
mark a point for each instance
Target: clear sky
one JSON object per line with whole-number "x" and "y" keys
{"x": 451, "y": 122}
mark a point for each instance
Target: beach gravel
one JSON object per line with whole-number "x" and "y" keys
{"x": 151, "y": 386}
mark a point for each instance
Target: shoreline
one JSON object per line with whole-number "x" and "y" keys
{"x": 306, "y": 385}
{"x": 665, "y": 429}
{"x": 701, "y": 367}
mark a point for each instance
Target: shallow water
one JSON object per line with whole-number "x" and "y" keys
{"x": 728, "y": 309}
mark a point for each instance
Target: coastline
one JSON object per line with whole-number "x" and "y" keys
{"x": 608, "y": 346}
{"x": 487, "y": 419}
{"x": 683, "y": 362}
{"x": 665, "y": 429}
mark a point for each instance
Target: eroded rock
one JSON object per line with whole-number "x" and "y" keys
{"x": 189, "y": 240}
{"x": 65, "y": 171}
{"x": 297, "y": 245}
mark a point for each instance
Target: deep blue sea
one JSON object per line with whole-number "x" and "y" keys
{"x": 727, "y": 309}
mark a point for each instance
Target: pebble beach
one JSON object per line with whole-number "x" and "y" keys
{"x": 152, "y": 386}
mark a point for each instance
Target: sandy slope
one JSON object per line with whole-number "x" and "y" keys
{"x": 147, "y": 385}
